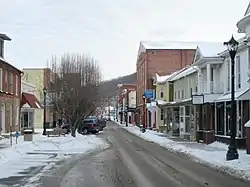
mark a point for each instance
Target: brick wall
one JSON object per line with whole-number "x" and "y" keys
{"x": 162, "y": 62}
{"x": 10, "y": 97}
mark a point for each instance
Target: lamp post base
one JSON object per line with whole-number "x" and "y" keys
{"x": 232, "y": 153}
{"x": 44, "y": 132}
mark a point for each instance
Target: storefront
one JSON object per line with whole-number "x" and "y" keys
{"x": 180, "y": 119}
{"x": 29, "y": 105}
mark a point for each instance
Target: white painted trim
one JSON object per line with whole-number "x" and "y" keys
{"x": 1, "y": 79}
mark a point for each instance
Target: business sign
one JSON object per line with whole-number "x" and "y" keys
{"x": 198, "y": 99}
{"x": 149, "y": 94}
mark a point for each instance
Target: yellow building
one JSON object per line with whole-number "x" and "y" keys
{"x": 31, "y": 110}
{"x": 164, "y": 95}
{"x": 41, "y": 78}
{"x": 161, "y": 96}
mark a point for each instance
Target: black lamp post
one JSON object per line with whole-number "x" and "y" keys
{"x": 126, "y": 114}
{"x": 232, "y": 153}
{"x": 44, "y": 110}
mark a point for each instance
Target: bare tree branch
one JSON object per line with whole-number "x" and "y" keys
{"x": 74, "y": 92}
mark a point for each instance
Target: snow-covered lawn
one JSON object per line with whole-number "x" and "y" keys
{"x": 42, "y": 151}
{"x": 213, "y": 154}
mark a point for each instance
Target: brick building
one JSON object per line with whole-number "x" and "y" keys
{"x": 162, "y": 58}
{"x": 10, "y": 92}
{"x": 121, "y": 96}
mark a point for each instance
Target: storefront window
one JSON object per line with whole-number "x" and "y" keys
{"x": 176, "y": 115}
{"x": 187, "y": 118}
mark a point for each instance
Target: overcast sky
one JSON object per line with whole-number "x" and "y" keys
{"x": 110, "y": 30}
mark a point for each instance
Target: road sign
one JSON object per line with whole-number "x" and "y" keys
{"x": 17, "y": 134}
{"x": 197, "y": 99}
{"x": 149, "y": 94}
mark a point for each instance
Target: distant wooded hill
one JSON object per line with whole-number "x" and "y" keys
{"x": 109, "y": 88}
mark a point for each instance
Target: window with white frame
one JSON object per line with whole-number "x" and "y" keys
{"x": 17, "y": 85}
{"x": 248, "y": 58}
{"x": 228, "y": 75}
{"x": 6, "y": 81}
{"x": 11, "y": 83}
{"x": 1, "y": 48}
{"x": 1, "y": 79}
{"x": 182, "y": 93}
{"x": 162, "y": 92}
{"x": 238, "y": 79}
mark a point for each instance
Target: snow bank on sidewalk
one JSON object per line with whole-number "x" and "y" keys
{"x": 42, "y": 151}
{"x": 213, "y": 154}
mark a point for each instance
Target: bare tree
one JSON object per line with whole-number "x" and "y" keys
{"x": 74, "y": 93}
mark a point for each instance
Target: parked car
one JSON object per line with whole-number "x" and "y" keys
{"x": 89, "y": 125}
{"x": 66, "y": 126}
{"x": 102, "y": 122}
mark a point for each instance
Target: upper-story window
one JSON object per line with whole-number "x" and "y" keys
{"x": 182, "y": 93}
{"x": 1, "y": 48}
{"x": 11, "y": 83}
{"x": 161, "y": 92}
{"x": 1, "y": 79}
{"x": 6, "y": 81}
{"x": 238, "y": 79}
{"x": 17, "y": 84}
{"x": 249, "y": 57}
{"x": 228, "y": 75}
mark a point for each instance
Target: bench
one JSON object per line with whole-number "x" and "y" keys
{"x": 55, "y": 132}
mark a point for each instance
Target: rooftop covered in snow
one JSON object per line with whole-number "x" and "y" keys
{"x": 210, "y": 49}
{"x": 188, "y": 71}
{"x": 207, "y": 49}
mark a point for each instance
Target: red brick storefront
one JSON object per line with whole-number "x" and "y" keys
{"x": 10, "y": 92}
{"x": 162, "y": 60}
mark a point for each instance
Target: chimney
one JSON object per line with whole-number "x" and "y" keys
{"x": 3, "y": 37}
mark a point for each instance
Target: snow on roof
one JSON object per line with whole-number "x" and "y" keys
{"x": 161, "y": 79}
{"x": 186, "y": 72}
{"x": 161, "y": 102}
{"x": 168, "y": 45}
{"x": 247, "y": 10}
{"x": 210, "y": 49}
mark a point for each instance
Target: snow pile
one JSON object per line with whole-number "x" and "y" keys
{"x": 43, "y": 151}
{"x": 213, "y": 154}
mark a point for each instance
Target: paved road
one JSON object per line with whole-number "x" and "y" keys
{"x": 133, "y": 162}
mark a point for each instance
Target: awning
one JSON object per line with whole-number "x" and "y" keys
{"x": 30, "y": 101}
{"x": 161, "y": 102}
{"x": 176, "y": 103}
{"x": 239, "y": 95}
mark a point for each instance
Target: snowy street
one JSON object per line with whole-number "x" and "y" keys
{"x": 24, "y": 162}
{"x": 120, "y": 157}
{"x": 131, "y": 161}
{"x": 213, "y": 154}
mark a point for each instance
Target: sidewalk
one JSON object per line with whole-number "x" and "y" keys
{"x": 213, "y": 154}
{"x": 42, "y": 151}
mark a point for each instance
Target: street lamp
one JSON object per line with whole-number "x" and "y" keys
{"x": 44, "y": 110}
{"x": 127, "y": 103}
{"x": 232, "y": 46}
